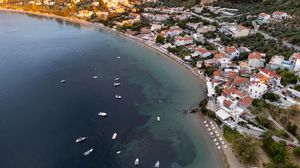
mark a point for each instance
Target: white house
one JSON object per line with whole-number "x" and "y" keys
{"x": 256, "y": 59}
{"x": 232, "y": 52}
{"x": 85, "y": 13}
{"x": 295, "y": 59}
{"x": 263, "y": 18}
{"x": 155, "y": 27}
{"x": 256, "y": 89}
{"x": 173, "y": 31}
{"x": 179, "y": 41}
{"x": 235, "y": 31}
{"x": 280, "y": 15}
{"x": 202, "y": 52}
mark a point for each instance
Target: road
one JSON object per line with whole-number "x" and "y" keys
{"x": 269, "y": 37}
{"x": 295, "y": 140}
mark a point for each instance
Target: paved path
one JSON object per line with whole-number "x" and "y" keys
{"x": 269, "y": 37}
{"x": 295, "y": 140}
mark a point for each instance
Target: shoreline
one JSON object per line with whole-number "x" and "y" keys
{"x": 198, "y": 119}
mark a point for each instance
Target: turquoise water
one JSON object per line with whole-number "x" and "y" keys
{"x": 40, "y": 118}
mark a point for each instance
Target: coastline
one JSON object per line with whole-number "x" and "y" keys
{"x": 199, "y": 118}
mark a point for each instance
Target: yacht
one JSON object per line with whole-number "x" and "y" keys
{"x": 118, "y": 96}
{"x": 80, "y": 139}
{"x": 114, "y": 136}
{"x": 117, "y": 84}
{"x": 118, "y": 152}
{"x": 102, "y": 114}
{"x": 158, "y": 118}
{"x": 136, "y": 162}
{"x": 119, "y": 57}
{"x": 88, "y": 152}
{"x": 156, "y": 164}
{"x": 116, "y": 79}
{"x": 62, "y": 81}
{"x": 95, "y": 77}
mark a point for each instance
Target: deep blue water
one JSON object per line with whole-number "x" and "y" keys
{"x": 40, "y": 118}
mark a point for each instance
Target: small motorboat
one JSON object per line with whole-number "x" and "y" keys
{"x": 114, "y": 136}
{"x": 157, "y": 164}
{"x": 95, "y": 77}
{"x": 118, "y": 57}
{"x": 116, "y": 79}
{"x": 118, "y": 96}
{"x": 62, "y": 81}
{"x": 158, "y": 118}
{"x": 118, "y": 152}
{"x": 80, "y": 139}
{"x": 117, "y": 84}
{"x": 136, "y": 162}
{"x": 102, "y": 114}
{"x": 88, "y": 152}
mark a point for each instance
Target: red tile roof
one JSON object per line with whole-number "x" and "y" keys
{"x": 202, "y": 50}
{"x": 220, "y": 56}
{"x": 255, "y": 55}
{"x": 269, "y": 72}
{"x": 217, "y": 73}
{"x": 246, "y": 101}
{"x": 263, "y": 14}
{"x": 229, "y": 91}
{"x": 231, "y": 50}
{"x": 239, "y": 80}
{"x": 279, "y": 13}
{"x": 297, "y": 55}
{"x": 227, "y": 103}
{"x": 232, "y": 74}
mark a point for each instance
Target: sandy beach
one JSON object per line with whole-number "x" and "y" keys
{"x": 226, "y": 155}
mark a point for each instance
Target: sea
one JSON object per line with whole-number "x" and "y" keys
{"x": 40, "y": 117}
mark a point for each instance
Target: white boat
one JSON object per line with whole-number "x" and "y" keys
{"x": 136, "y": 162}
{"x": 116, "y": 79}
{"x": 88, "y": 152}
{"x": 158, "y": 118}
{"x": 114, "y": 136}
{"x": 118, "y": 152}
{"x": 156, "y": 164}
{"x": 117, "y": 84}
{"x": 95, "y": 77}
{"x": 118, "y": 57}
{"x": 62, "y": 81}
{"x": 80, "y": 139}
{"x": 118, "y": 96}
{"x": 102, "y": 114}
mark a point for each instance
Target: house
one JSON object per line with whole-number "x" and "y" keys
{"x": 279, "y": 62}
{"x": 180, "y": 41}
{"x": 85, "y": 13}
{"x": 235, "y": 31}
{"x": 271, "y": 78}
{"x": 256, "y": 59}
{"x": 155, "y": 27}
{"x": 245, "y": 102}
{"x": 263, "y": 18}
{"x": 280, "y": 15}
{"x": 295, "y": 60}
{"x": 204, "y": 53}
{"x": 102, "y": 15}
{"x": 194, "y": 26}
{"x": 205, "y": 29}
{"x": 173, "y": 31}
{"x": 95, "y": 3}
{"x": 256, "y": 90}
{"x": 222, "y": 59}
{"x": 232, "y": 52}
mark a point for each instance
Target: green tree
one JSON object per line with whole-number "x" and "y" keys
{"x": 296, "y": 151}
{"x": 160, "y": 39}
{"x": 277, "y": 150}
{"x": 271, "y": 96}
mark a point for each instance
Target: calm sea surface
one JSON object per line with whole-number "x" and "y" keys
{"x": 40, "y": 118}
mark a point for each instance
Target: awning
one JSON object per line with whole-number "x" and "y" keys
{"x": 223, "y": 115}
